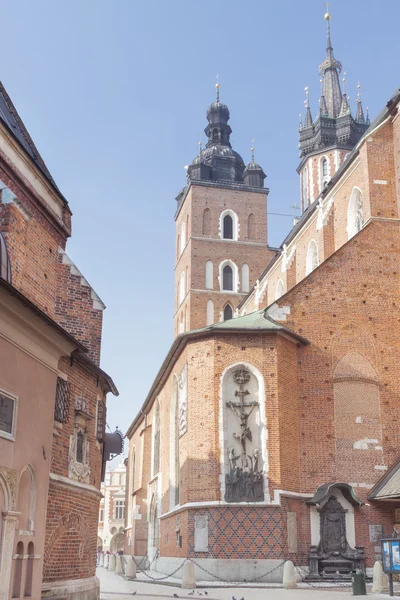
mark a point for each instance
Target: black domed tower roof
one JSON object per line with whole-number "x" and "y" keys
{"x": 217, "y": 161}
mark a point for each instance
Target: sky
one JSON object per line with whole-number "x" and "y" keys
{"x": 114, "y": 94}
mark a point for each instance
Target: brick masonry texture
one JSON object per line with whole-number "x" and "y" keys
{"x": 35, "y": 237}
{"x": 331, "y": 405}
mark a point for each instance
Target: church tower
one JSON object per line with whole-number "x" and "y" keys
{"x": 326, "y": 141}
{"x": 221, "y": 229}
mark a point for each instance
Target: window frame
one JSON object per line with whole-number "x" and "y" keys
{"x": 235, "y": 225}
{"x": 235, "y": 277}
{"x": 5, "y": 434}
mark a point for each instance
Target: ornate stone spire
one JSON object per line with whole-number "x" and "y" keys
{"x": 345, "y": 107}
{"x": 330, "y": 70}
{"x": 360, "y": 113}
{"x": 308, "y": 120}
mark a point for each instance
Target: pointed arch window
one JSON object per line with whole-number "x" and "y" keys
{"x": 209, "y": 275}
{"x": 227, "y": 278}
{"x": 228, "y": 312}
{"x": 156, "y": 446}
{"x": 312, "y": 260}
{"x": 279, "y": 289}
{"x": 228, "y": 227}
{"x": 5, "y": 265}
{"x": 355, "y": 213}
{"x": 251, "y": 227}
{"x": 210, "y": 312}
{"x": 323, "y": 173}
{"x": 245, "y": 277}
{"x": 207, "y": 222}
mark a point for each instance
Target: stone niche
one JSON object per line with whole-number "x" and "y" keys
{"x": 242, "y": 436}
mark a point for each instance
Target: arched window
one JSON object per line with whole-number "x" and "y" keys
{"x": 209, "y": 275}
{"x": 229, "y": 225}
{"x": 251, "y": 227}
{"x": 183, "y": 236}
{"x": 156, "y": 443}
{"x": 228, "y": 312}
{"x": 323, "y": 173}
{"x": 210, "y": 312}
{"x": 5, "y": 265}
{"x": 279, "y": 289}
{"x": 227, "y": 278}
{"x": 245, "y": 277}
{"x": 29, "y": 571}
{"x": 207, "y": 222}
{"x": 26, "y": 499}
{"x": 228, "y": 228}
{"x": 312, "y": 260}
{"x": 355, "y": 213}
{"x": 18, "y": 570}
{"x": 305, "y": 187}
{"x": 182, "y": 287}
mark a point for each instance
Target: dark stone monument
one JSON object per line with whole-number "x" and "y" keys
{"x": 333, "y": 557}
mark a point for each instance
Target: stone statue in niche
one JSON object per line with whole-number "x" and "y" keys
{"x": 244, "y": 482}
{"x": 333, "y": 557}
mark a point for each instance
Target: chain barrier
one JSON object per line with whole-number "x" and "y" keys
{"x": 303, "y": 574}
{"x": 237, "y": 583}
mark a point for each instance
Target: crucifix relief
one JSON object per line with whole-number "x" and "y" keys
{"x": 244, "y": 483}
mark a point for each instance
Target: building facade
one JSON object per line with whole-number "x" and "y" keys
{"x": 112, "y": 510}
{"x": 274, "y": 434}
{"x": 52, "y": 389}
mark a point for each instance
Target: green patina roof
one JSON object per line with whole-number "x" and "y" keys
{"x": 255, "y": 321}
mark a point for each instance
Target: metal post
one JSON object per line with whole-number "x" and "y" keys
{"x": 391, "y": 585}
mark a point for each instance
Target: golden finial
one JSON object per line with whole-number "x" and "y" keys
{"x": 344, "y": 82}
{"x": 252, "y": 150}
{"x": 327, "y": 15}
{"x": 217, "y": 86}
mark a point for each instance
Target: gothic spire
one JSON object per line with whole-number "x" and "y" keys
{"x": 330, "y": 70}
{"x": 360, "y": 113}
{"x": 308, "y": 121}
{"x": 345, "y": 106}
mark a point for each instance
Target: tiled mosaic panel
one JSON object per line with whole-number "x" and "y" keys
{"x": 241, "y": 532}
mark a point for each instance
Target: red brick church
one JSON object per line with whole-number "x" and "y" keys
{"x": 272, "y": 429}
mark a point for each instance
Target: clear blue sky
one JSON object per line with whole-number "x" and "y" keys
{"x": 114, "y": 94}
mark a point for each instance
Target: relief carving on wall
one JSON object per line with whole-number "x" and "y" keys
{"x": 244, "y": 483}
{"x": 79, "y": 470}
{"x": 182, "y": 401}
{"x": 11, "y": 478}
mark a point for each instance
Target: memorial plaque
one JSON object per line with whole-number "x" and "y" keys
{"x": 375, "y": 533}
{"x": 291, "y": 520}
{"x": 201, "y": 533}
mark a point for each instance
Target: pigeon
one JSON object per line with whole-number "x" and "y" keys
{"x": 233, "y": 598}
{"x": 191, "y": 593}
{"x": 176, "y": 596}
{"x": 206, "y": 593}
{"x": 241, "y": 598}
{"x": 134, "y": 593}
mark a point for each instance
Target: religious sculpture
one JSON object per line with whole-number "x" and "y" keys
{"x": 244, "y": 482}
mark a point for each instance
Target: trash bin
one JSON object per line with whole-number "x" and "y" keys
{"x": 358, "y": 583}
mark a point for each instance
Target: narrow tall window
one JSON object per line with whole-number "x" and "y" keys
{"x": 61, "y": 409}
{"x": 227, "y": 278}
{"x": 325, "y": 168}
{"x": 209, "y": 275}
{"x": 251, "y": 227}
{"x": 228, "y": 227}
{"x": 210, "y": 312}
{"x": 5, "y": 266}
{"x": 324, "y": 176}
{"x": 80, "y": 438}
{"x": 183, "y": 236}
{"x": 279, "y": 289}
{"x": 245, "y": 278}
{"x": 312, "y": 260}
{"x": 305, "y": 187}
{"x": 355, "y": 213}
{"x": 29, "y": 571}
{"x": 207, "y": 222}
{"x": 228, "y": 312}
{"x": 182, "y": 287}
{"x": 156, "y": 456}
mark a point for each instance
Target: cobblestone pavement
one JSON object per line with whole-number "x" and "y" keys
{"x": 114, "y": 587}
